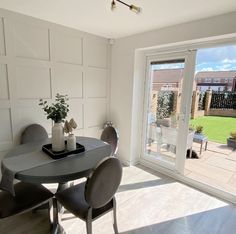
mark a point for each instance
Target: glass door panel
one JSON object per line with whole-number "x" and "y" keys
{"x": 166, "y": 122}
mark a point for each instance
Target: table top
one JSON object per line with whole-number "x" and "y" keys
{"x": 66, "y": 169}
{"x": 199, "y": 138}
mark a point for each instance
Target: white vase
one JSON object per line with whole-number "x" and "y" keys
{"x": 71, "y": 142}
{"x": 58, "y": 141}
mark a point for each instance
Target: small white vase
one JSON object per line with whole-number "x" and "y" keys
{"x": 58, "y": 141}
{"x": 71, "y": 142}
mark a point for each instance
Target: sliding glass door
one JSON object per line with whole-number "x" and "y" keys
{"x": 169, "y": 82}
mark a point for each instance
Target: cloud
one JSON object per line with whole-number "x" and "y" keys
{"x": 229, "y": 60}
{"x": 225, "y": 67}
{"x": 206, "y": 69}
{"x": 167, "y": 66}
{"x": 217, "y": 54}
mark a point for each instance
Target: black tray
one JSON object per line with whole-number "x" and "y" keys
{"x": 62, "y": 154}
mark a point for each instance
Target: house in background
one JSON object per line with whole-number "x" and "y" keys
{"x": 167, "y": 79}
{"x": 216, "y": 80}
{"x": 172, "y": 79}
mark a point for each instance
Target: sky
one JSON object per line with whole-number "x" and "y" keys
{"x": 210, "y": 59}
{"x": 216, "y": 59}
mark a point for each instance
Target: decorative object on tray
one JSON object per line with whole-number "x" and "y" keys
{"x": 62, "y": 154}
{"x": 71, "y": 140}
{"x": 108, "y": 124}
{"x": 57, "y": 112}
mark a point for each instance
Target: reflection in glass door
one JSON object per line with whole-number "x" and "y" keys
{"x": 166, "y": 118}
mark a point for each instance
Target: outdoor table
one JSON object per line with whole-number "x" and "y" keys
{"x": 63, "y": 170}
{"x": 201, "y": 139}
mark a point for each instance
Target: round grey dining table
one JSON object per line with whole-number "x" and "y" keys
{"x": 66, "y": 169}
{"x": 61, "y": 171}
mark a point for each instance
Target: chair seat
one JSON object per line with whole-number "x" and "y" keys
{"x": 74, "y": 201}
{"x": 27, "y": 196}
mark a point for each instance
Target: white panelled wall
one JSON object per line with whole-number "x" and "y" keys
{"x": 39, "y": 59}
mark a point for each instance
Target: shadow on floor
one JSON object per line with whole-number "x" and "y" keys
{"x": 146, "y": 184}
{"x": 141, "y": 185}
{"x": 215, "y": 221}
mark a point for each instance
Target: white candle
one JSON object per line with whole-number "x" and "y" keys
{"x": 71, "y": 142}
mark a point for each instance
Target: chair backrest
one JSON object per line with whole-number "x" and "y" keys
{"x": 33, "y": 133}
{"x": 110, "y": 136}
{"x": 103, "y": 182}
{"x": 169, "y": 135}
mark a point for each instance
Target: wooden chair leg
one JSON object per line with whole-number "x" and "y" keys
{"x": 89, "y": 222}
{"x": 114, "y": 217}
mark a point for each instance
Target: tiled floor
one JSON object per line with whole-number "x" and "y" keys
{"x": 148, "y": 202}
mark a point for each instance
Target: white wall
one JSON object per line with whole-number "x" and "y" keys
{"x": 127, "y": 77}
{"x": 39, "y": 59}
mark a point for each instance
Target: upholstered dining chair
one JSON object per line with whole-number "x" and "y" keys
{"x": 27, "y": 197}
{"x": 33, "y": 133}
{"x": 110, "y": 136}
{"x": 95, "y": 197}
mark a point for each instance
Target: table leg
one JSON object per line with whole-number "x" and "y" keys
{"x": 61, "y": 187}
{"x": 56, "y": 227}
{"x": 201, "y": 149}
{"x": 206, "y": 145}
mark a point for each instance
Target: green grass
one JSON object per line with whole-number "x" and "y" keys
{"x": 216, "y": 128}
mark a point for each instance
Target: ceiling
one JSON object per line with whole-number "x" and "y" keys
{"x": 95, "y": 16}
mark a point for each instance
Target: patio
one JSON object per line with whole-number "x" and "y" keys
{"x": 216, "y": 166}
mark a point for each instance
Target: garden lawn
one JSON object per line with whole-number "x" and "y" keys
{"x": 216, "y": 128}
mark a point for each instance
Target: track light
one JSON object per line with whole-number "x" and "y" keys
{"x": 113, "y": 5}
{"x": 131, "y": 7}
{"x": 135, "y": 9}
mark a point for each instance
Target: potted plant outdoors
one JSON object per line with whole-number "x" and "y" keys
{"x": 71, "y": 139}
{"x": 57, "y": 112}
{"x": 199, "y": 130}
{"x": 231, "y": 141}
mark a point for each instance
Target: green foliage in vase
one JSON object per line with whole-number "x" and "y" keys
{"x": 58, "y": 110}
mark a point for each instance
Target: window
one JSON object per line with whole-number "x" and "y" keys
{"x": 207, "y": 80}
{"x": 216, "y": 80}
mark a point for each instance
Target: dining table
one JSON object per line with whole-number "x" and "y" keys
{"x": 59, "y": 171}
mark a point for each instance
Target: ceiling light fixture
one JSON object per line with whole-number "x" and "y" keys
{"x": 131, "y": 7}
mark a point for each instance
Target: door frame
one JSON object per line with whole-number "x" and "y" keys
{"x": 189, "y": 57}
{"x": 223, "y": 40}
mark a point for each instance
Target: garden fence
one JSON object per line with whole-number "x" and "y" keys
{"x": 223, "y": 100}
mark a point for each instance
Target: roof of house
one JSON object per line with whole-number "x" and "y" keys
{"x": 168, "y": 75}
{"x": 216, "y": 74}
{"x": 176, "y": 75}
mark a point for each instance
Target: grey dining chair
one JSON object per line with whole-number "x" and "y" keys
{"x": 27, "y": 197}
{"x": 95, "y": 197}
{"x": 33, "y": 133}
{"x": 110, "y": 135}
